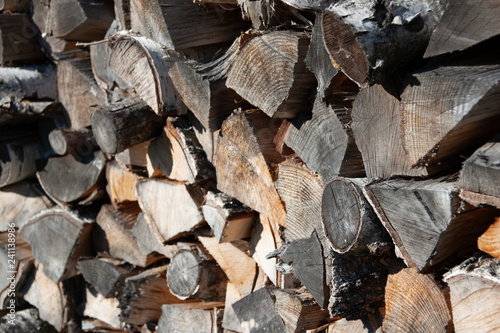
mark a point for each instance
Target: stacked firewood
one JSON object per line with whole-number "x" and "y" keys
{"x": 249, "y": 166}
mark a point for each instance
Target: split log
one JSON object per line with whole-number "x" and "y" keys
{"x": 239, "y": 161}
{"x": 27, "y": 320}
{"x": 117, "y": 225}
{"x": 480, "y": 173}
{"x": 428, "y": 222}
{"x": 103, "y": 309}
{"x": 78, "y": 90}
{"x": 325, "y": 145}
{"x": 475, "y": 293}
{"x": 105, "y": 275}
{"x": 121, "y": 183}
{"x": 124, "y": 124}
{"x": 349, "y": 222}
{"x": 229, "y": 219}
{"x": 18, "y": 40}
{"x": 376, "y": 125}
{"x": 415, "y": 303}
{"x": 190, "y": 276}
{"x": 264, "y": 241}
{"x": 14, "y": 5}
{"x": 21, "y": 201}
{"x": 73, "y": 141}
{"x": 229, "y": 320}
{"x": 122, "y": 13}
{"x": 265, "y": 14}
{"x": 450, "y": 36}
{"x": 367, "y": 324}
{"x": 135, "y": 157}
{"x": 191, "y": 320}
{"x": 489, "y": 242}
{"x": 80, "y": 20}
{"x": 462, "y": 120}
{"x": 183, "y": 24}
{"x": 180, "y": 216}
{"x": 177, "y": 154}
{"x": 240, "y": 268}
{"x": 143, "y": 65}
{"x": 370, "y": 41}
{"x": 58, "y": 238}
{"x": 71, "y": 178}
{"x": 281, "y": 57}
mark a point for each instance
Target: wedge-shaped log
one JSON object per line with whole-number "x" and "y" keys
{"x": 428, "y": 222}
{"x": 81, "y": 20}
{"x": 121, "y": 183}
{"x": 71, "y": 178}
{"x": 178, "y": 155}
{"x": 480, "y": 174}
{"x": 189, "y": 276}
{"x": 325, "y": 145}
{"x": 489, "y": 242}
{"x": 229, "y": 219}
{"x": 281, "y": 85}
{"x": 143, "y": 66}
{"x": 193, "y": 320}
{"x": 18, "y": 40}
{"x": 123, "y": 124}
{"x": 449, "y": 35}
{"x": 181, "y": 215}
{"x": 370, "y": 40}
{"x": 135, "y": 156}
{"x": 58, "y": 238}
{"x": 475, "y": 293}
{"x": 182, "y": 24}
{"x": 72, "y": 141}
{"x": 239, "y": 161}
{"x": 265, "y": 240}
{"x": 415, "y": 303}
{"x": 21, "y": 201}
{"x": 104, "y": 309}
{"x": 117, "y": 225}
{"x": 78, "y": 90}
{"x": 434, "y": 131}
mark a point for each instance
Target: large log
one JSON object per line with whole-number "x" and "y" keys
{"x": 450, "y": 36}
{"x": 428, "y": 222}
{"x": 415, "y": 303}
{"x": 475, "y": 293}
{"x": 281, "y": 85}
{"x": 58, "y": 238}
{"x": 371, "y": 40}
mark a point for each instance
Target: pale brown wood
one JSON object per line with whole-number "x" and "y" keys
{"x": 489, "y": 241}
{"x": 121, "y": 183}
{"x": 478, "y": 199}
{"x": 135, "y": 156}
{"x": 103, "y": 309}
{"x": 263, "y": 242}
{"x": 475, "y": 293}
{"x": 229, "y": 320}
{"x": 191, "y": 320}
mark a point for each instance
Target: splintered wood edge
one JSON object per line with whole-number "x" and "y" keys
{"x": 478, "y": 199}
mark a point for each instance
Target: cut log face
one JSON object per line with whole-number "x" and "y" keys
{"x": 191, "y": 277}
{"x": 103, "y": 275}
{"x": 414, "y": 303}
{"x": 78, "y": 90}
{"x": 475, "y": 293}
{"x": 172, "y": 220}
{"x": 449, "y": 35}
{"x": 489, "y": 242}
{"x": 239, "y": 162}
{"x": 191, "y": 320}
{"x": 81, "y": 20}
{"x": 121, "y": 183}
{"x": 121, "y": 125}
{"x": 172, "y": 23}
{"x": 461, "y": 120}
{"x": 21, "y": 201}
{"x": 426, "y": 221}
{"x": 361, "y": 36}
{"x": 77, "y": 142}
{"x": 141, "y": 64}
{"x": 57, "y": 238}
{"x": 69, "y": 178}
{"x": 281, "y": 85}
{"x": 325, "y": 145}
{"x": 18, "y": 40}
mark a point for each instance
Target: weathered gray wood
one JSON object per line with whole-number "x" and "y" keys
{"x": 26, "y": 320}
{"x": 104, "y": 275}
{"x": 71, "y": 141}
{"x": 81, "y": 20}
{"x": 461, "y": 121}
{"x": 174, "y": 318}
{"x": 70, "y": 178}
{"x": 124, "y": 124}
{"x": 428, "y": 222}
{"x": 479, "y": 18}
{"x": 58, "y": 238}
{"x": 474, "y": 294}
{"x": 14, "y": 5}
{"x": 122, "y": 13}
{"x": 370, "y": 40}
{"x": 281, "y": 57}
{"x": 189, "y": 276}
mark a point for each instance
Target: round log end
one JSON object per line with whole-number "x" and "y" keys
{"x": 58, "y": 142}
{"x": 341, "y": 214}
{"x": 104, "y": 130}
{"x": 183, "y": 274}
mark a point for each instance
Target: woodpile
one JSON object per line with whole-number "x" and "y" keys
{"x": 249, "y": 166}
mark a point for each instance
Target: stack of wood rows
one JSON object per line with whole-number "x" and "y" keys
{"x": 249, "y": 166}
